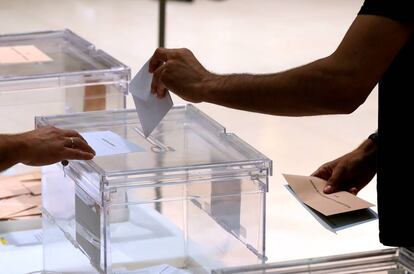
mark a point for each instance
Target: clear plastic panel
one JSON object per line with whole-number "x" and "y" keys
{"x": 194, "y": 198}
{"x": 66, "y": 53}
{"x": 214, "y": 225}
{"x": 59, "y": 224}
{"x": 186, "y": 139}
{"x": 72, "y": 77}
{"x": 26, "y": 105}
{"x": 194, "y": 227}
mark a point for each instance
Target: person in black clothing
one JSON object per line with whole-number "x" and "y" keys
{"x": 377, "y": 48}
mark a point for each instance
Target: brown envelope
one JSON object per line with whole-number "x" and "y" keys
{"x": 29, "y": 212}
{"x": 34, "y": 187}
{"x": 11, "y": 186}
{"x": 94, "y": 98}
{"x": 11, "y": 189}
{"x": 22, "y": 54}
{"x": 32, "y": 176}
{"x": 309, "y": 190}
{"x": 16, "y": 204}
{"x": 30, "y": 217}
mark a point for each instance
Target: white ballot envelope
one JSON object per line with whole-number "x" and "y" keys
{"x": 151, "y": 109}
{"x": 106, "y": 143}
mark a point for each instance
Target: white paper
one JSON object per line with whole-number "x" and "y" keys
{"x": 107, "y": 143}
{"x": 151, "y": 109}
{"x": 22, "y": 238}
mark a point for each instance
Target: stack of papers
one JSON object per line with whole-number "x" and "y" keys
{"x": 20, "y": 196}
{"x": 334, "y": 211}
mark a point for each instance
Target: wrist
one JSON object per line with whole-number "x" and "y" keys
{"x": 21, "y": 147}
{"x": 11, "y": 148}
{"x": 369, "y": 146}
{"x": 214, "y": 88}
{"x": 208, "y": 88}
{"x": 374, "y": 138}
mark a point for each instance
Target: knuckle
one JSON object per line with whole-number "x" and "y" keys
{"x": 56, "y": 130}
{"x": 157, "y": 51}
{"x": 169, "y": 64}
{"x": 49, "y": 128}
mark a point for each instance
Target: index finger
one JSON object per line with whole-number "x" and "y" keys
{"x": 76, "y": 154}
{"x": 162, "y": 55}
{"x": 158, "y": 58}
{"x": 83, "y": 145}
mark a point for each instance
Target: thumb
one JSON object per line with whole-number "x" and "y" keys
{"x": 334, "y": 181}
{"x": 324, "y": 172}
{"x": 353, "y": 190}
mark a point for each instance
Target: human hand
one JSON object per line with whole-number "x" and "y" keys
{"x": 48, "y": 145}
{"x": 351, "y": 172}
{"x": 179, "y": 71}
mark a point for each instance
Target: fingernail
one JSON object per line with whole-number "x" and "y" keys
{"x": 353, "y": 190}
{"x": 327, "y": 189}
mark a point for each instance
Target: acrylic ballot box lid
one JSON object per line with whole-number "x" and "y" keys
{"x": 55, "y": 59}
{"x": 187, "y": 145}
{"x": 387, "y": 261}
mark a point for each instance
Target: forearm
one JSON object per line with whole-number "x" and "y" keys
{"x": 10, "y": 146}
{"x": 338, "y": 83}
{"x": 314, "y": 89}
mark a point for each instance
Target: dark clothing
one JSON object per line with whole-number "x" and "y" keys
{"x": 395, "y": 186}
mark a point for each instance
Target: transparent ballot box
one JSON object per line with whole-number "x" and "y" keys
{"x": 188, "y": 199}
{"x": 55, "y": 72}
{"x": 49, "y": 73}
{"x": 387, "y": 261}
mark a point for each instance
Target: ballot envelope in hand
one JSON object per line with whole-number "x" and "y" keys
{"x": 151, "y": 109}
{"x": 334, "y": 211}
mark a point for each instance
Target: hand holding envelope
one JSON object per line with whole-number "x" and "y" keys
{"x": 335, "y": 211}
{"x": 310, "y": 190}
{"x": 151, "y": 109}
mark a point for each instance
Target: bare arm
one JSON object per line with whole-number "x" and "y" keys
{"x": 338, "y": 83}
